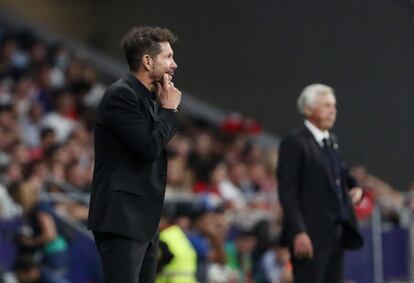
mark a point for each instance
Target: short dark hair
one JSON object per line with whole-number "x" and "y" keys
{"x": 144, "y": 40}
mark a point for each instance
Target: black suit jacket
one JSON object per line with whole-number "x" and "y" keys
{"x": 307, "y": 193}
{"x": 130, "y": 170}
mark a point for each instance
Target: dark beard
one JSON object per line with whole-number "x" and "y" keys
{"x": 156, "y": 78}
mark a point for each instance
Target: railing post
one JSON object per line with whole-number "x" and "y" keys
{"x": 411, "y": 262}
{"x": 377, "y": 245}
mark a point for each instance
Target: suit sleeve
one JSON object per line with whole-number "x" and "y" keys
{"x": 289, "y": 175}
{"x": 127, "y": 120}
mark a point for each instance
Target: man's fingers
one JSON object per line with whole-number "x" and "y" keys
{"x": 304, "y": 252}
{"x": 300, "y": 252}
{"x": 354, "y": 198}
{"x": 356, "y": 195}
{"x": 177, "y": 91}
{"x": 159, "y": 88}
{"x": 165, "y": 80}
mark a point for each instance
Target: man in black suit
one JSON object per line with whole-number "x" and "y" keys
{"x": 135, "y": 120}
{"x": 317, "y": 193}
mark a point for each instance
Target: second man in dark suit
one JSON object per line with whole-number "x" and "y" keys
{"x": 317, "y": 192}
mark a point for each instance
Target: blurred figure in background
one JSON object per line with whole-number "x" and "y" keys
{"x": 391, "y": 200}
{"x": 239, "y": 254}
{"x": 41, "y": 237}
{"x": 61, "y": 120}
{"x": 182, "y": 266}
{"x": 207, "y": 238}
{"x": 179, "y": 177}
{"x": 275, "y": 264}
{"x": 317, "y": 192}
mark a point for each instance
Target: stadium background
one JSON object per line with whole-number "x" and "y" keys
{"x": 255, "y": 57}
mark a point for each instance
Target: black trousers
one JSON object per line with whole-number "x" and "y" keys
{"x": 126, "y": 260}
{"x": 326, "y": 266}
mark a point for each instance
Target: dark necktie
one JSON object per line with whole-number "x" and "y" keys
{"x": 335, "y": 170}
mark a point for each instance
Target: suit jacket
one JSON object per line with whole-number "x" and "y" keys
{"x": 307, "y": 193}
{"x": 130, "y": 170}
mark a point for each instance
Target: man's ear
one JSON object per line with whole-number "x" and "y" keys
{"x": 307, "y": 111}
{"x": 147, "y": 62}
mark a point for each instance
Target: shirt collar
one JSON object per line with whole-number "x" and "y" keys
{"x": 138, "y": 86}
{"x": 317, "y": 133}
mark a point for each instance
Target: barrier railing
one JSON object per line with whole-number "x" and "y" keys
{"x": 387, "y": 255}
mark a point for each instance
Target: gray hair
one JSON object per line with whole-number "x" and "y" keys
{"x": 310, "y": 93}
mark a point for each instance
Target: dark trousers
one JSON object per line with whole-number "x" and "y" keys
{"x": 126, "y": 260}
{"x": 326, "y": 266}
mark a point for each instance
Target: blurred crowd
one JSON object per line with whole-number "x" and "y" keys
{"x": 222, "y": 218}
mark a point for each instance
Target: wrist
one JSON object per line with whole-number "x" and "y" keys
{"x": 170, "y": 108}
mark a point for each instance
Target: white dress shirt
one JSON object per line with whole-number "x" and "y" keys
{"x": 317, "y": 133}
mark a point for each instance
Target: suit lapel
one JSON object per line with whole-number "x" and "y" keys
{"x": 142, "y": 91}
{"x": 317, "y": 153}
